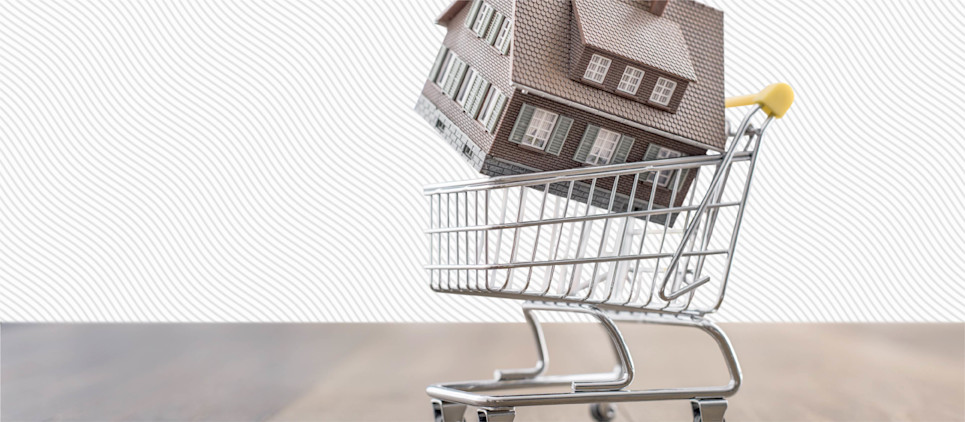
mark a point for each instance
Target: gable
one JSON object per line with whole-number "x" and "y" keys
{"x": 629, "y": 31}
{"x": 454, "y": 8}
{"x": 541, "y": 61}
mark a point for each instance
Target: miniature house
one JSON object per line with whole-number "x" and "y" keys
{"x": 523, "y": 85}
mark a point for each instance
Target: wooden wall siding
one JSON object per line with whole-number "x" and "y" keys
{"x": 503, "y": 149}
{"x": 580, "y": 58}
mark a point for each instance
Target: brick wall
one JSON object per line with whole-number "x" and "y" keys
{"x": 454, "y": 114}
{"x": 492, "y": 65}
{"x": 503, "y": 149}
{"x": 581, "y": 191}
{"x": 451, "y": 133}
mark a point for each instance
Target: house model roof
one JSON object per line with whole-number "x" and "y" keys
{"x": 686, "y": 40}
{"x": 626, "y": 29}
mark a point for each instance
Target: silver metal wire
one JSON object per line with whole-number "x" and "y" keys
{"x": 574, "y": 241}
{"x": 574, "y": 236}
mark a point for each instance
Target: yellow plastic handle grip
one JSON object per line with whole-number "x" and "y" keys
{"x": 774, "y": 100}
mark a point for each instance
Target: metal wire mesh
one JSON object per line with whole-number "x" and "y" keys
{"x": 608, "y": 236}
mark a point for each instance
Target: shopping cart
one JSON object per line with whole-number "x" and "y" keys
{"x": 561, "y": 242}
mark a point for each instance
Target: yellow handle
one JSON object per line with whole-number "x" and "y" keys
{"x": 774, "y": 100}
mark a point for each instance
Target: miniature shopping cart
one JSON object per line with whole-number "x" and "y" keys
{"x": 561, "y": 242}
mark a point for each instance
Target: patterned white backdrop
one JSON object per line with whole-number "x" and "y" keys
{"x": 260, "y": 161}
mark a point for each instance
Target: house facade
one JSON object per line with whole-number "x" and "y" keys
{"x": 524, "y": 85}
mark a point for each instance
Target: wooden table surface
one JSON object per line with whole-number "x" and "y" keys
{"x": 378, "y": 372}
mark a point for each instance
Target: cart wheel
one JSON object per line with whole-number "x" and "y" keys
{"x": 497, "y": 415}
{"x": 603, "y": 412}
{"x": 443, "y": 411}
{"x": 711, "y": 410}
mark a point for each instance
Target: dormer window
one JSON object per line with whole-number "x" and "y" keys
{"x": 663, "y": 91}
{"x": 596, "y": 70}
{"x": 630, "y": 81}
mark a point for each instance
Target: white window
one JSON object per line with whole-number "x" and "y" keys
{"x": 446, "y": 67}
{"x": 540, "y": 128}
{"x": 597, "y": 68}
{"x": 667, "y": 175}
{"x": 466, "y": 85}
{"x": 603, "y": 147}
{"x": 663, "y": 91}
{"x": 477, "y": 26}
{"x": 489, "y": 105}
{"x": 503, "y": 36}
{"x": 630, "y": 80}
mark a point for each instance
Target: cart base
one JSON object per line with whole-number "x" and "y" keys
{"x": 600, "y": 390}
{"x": 704, "y": 410}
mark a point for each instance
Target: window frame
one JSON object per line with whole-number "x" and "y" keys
{"x": 467, "y": 81}
{"x": 477, "y": 24}
{"x": 488, "y": 106}
{"x": 593, "y": 157}
{"x": 503, "y": 35}
{"x": 529, "y": 139}
{"x": 657, "y": 93}
{"x": 446, "y": 67}
{"x": 636, "y": 85}
{"x": 663, "y": 153}
{"x": 591, "y": 66}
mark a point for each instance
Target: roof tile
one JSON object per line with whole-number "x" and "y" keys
{"x": 541, "y": 59}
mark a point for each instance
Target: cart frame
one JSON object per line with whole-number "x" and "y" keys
{"x": 670, "y": 301}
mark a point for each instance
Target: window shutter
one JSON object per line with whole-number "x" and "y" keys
{"x": 683, "y": 177}
{"x": 471, "y": 95}
{"x": 497, "y": 112}
{"x": 562, "y": 129}
{"x": 447, "y": 83}
{"x": 478, "y": 98}
{"x": 589, "y": 137}
{"x": 522, "y": 123}
{"x": 652, "y": 151}
{"x": 463, "y": 70}
{"x": 623, "y": 150}
{"x": 485, "y": 21}
{"x": 438, "y": 64}
{"x": 494, "y": 28}
{"x": 509, "y": 39}
{"x": 455, "y": 79}
{"x": 473, "y": 10}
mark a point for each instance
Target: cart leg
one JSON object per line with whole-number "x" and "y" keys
{"x": 708, "y": 410}
{"x": 497, "y": 415}
{"x": 723, "y": 343}
{"x": 447, "y": 412}
{"x": 622, "y": 374}
{"x": 542, "y": 361}
{"x": 624, "y": 370}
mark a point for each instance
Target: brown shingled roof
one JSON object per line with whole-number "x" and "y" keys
{"x": 451, "y": 11}
{"x": 541, "y": 42}
{"x": 630, "y": 31}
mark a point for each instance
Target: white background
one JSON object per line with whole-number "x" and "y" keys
{"x": 260, "y": 161}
